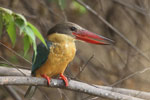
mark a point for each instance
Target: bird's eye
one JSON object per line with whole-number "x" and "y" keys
{"x": 73, "y": 29}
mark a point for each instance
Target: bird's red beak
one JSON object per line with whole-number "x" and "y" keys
{"x": 93, "y": 38}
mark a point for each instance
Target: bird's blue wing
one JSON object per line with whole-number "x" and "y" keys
{"x": 41, "y": 57}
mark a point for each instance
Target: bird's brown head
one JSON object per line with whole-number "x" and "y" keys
{"x": 79, "y": 33}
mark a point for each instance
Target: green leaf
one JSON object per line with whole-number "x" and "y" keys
{"x": 35, "y": 51}
{"x": 31, "y": 35}
{"x": 37, "y": 33}
{"x": 31, "y": 41}
{"x": 26, "y": 44}
{"x": 11, "y": 29}
{"x": 20, "y": 21}
{"x": 11, "y": 20}
{"x": 1, "y": 23}
{"x": 6, "y": 10}
{"x": 29, "y": 32}
{"x": 7, "y": 18}
{"x": 19, "y": 16}
{"x": 79, "y": 7}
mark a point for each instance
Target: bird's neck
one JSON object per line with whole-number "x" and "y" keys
{"x": 60, "y": 38}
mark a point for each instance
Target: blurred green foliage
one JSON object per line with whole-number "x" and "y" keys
{"x": 79, "y": 7}
{"x": 11, "y": 21}
{"x": 75, "y": 5}
{"x": 62, "y": 4}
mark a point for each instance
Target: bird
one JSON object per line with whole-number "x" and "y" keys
{"x": 60, "y": 51}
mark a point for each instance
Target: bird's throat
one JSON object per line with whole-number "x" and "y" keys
{"x": 60, "y": 38}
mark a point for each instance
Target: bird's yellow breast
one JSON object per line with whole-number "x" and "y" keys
{"x": 61, "y": 53}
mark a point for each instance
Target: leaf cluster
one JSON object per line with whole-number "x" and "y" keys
{"x": 11, "y": 21}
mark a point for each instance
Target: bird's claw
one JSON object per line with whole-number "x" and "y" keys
{"x": 65, "y": 79}
{"x": 47, "y": 78}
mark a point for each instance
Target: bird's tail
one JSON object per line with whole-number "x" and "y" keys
{"x": 30, "y": 92}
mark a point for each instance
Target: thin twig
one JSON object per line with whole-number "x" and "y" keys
{"x": 28, "y": 7}
{"x": 12, "y": 92}
{"x": 83, "y": 67}
{"x": 15, "y": 52}
{"x": 137, "y": 23}
{"x": 62, "y": 94}
{"x": 22, "y": 92}
{"x": 62, "y": 10}
{"x": 131, "y": 75}
{"x": 133, "y": 7}
{"x": 6, "y": 71}
{"x": 12, "y": 65}
{"x": 113, "y": 28}
{"x": 128, "y": 76}
{"x": 43, "y": 93}
{"x": 101, "y": 5}
{"x": 46, "y": 4}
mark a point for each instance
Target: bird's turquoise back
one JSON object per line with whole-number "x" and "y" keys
{"x": 41, "y": 57}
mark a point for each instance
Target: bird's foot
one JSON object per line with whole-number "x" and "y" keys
{"x": 47, "y": 78}
{"x": 64, "y": 78}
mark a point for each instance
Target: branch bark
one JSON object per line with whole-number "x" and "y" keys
{"x": 73, "y": 85}
{"x": 135, "y": 93}
{"x": 12, "y": 76}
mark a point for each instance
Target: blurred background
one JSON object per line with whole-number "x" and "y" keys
{"x": 124, "y": 64}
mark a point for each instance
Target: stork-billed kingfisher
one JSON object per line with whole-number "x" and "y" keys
{"x": 61, "y": 50}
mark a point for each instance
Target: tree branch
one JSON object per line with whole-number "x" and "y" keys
{"x": 6, "y": 71}
{"x": 73, "y": 85}
{"x": 135, "y": 93}
{"x": 101, "y": 91}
